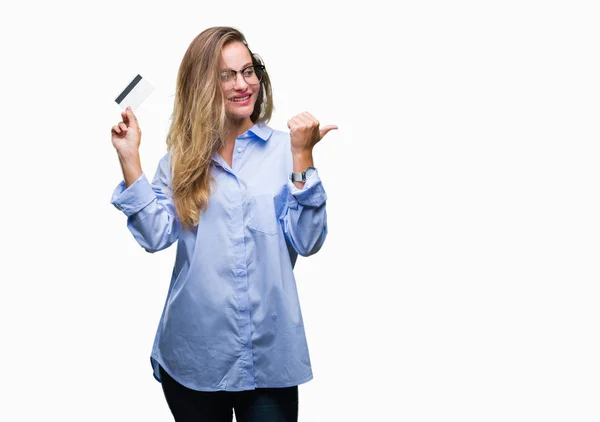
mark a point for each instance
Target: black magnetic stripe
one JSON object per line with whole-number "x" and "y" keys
{"x": 129, "y": 88}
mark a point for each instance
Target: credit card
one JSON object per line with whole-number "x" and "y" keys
{"x": 135, "y": 93}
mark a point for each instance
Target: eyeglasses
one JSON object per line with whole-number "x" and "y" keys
{"x": 251, "y": 74}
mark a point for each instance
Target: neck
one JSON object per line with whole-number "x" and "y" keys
{"x": 236, "y": 128}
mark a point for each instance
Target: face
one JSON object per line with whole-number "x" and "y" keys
{"x": 240, "y": 95}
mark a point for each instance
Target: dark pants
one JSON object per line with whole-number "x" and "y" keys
{"x": 260, "y": 405}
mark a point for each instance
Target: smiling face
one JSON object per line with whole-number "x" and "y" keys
{"x": 240, "y": 95}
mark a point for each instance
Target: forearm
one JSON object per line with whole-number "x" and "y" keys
{"x": 302, "y": 160}
{"x": 131, "y": 166}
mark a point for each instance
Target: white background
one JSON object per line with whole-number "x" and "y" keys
{"x": 460, "y": 278}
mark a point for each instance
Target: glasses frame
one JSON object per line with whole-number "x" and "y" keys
{"x": 234, "y": 79}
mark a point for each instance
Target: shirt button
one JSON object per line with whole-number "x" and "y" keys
{"x": 239, "y": 150}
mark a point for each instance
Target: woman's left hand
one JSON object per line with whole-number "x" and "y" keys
{"x": 305, "y": 132}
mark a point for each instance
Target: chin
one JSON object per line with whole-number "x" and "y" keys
{"x": 240, "y": 113}
{"x": 239, "y": 116}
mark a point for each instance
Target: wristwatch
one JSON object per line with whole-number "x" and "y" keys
{"x": 301, "y": 176}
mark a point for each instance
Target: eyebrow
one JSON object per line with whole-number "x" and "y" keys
{"x": 243, "y": 67}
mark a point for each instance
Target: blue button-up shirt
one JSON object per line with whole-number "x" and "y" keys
{"x": 232, "y": 318}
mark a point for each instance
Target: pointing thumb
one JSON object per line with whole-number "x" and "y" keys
{"x": 326, "y": 129}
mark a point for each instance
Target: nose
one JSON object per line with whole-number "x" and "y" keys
{"x": 239, "y": 83}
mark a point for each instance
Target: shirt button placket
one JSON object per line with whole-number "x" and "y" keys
{"x": 241, "y": 283}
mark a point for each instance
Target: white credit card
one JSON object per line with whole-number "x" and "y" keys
{"x": 135, "y": 93}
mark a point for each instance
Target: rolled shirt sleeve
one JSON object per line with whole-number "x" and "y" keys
{"x": 133, "y": 199}
{"x": 304, "y": 218}
{"x": 150, "y": 210}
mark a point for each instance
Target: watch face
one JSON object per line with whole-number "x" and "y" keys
{"x": 301, "y": 177}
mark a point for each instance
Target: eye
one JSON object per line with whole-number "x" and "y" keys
{"x": 225, "y": 76}
{"x": 249, "y": 71}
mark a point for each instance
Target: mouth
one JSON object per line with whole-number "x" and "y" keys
{"x": 241, "y": 99}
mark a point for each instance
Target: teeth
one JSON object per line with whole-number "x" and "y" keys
{"x": 240, "y": 99}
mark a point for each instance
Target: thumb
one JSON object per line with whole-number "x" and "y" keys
{"x": 133, "y": 122}
{"x": 326, "y": 129}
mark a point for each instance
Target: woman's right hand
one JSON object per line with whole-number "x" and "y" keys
{"x": 127, "y": 135}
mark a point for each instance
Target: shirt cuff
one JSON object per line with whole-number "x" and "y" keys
{"x": 135, "y": 198}
{"x": 312, "y": 193}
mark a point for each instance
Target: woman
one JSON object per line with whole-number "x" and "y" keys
{"x": 242, "y": 200}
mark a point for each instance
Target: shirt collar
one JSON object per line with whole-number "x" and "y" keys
{"x": 261, "y": 130}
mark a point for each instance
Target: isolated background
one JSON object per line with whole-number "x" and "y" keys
{"x": 460, "y": 279}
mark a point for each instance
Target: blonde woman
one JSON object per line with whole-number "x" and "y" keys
{"x": 243, "y": 201}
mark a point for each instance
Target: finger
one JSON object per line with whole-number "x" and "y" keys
{"x": 294, "y": 122}
{"x": 123, "y": 126}
{"x": 314, "y": 122}
{"x": 326, "y": 129}
{"x": 304, "y": 120}
{"x": 116, "y": 129}
{"x": 310, "y": 117}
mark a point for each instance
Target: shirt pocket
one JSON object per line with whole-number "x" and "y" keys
{"x": 262, "y": 215}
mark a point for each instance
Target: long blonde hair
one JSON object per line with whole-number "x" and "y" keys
{"x": 199, "y": 121}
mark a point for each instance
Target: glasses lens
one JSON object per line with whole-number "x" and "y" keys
{"x": 252, "y": 74}
{"x": 227, "y": 75}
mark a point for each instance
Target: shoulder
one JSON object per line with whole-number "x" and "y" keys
{"x": 273, "y": 136}
{"x": 164, "y": 164}
{"x": 272, "y": 139}
{"x": 280, "y": 136}
{"x": 280, "y": 143}
{"x": 163, "y": 169}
